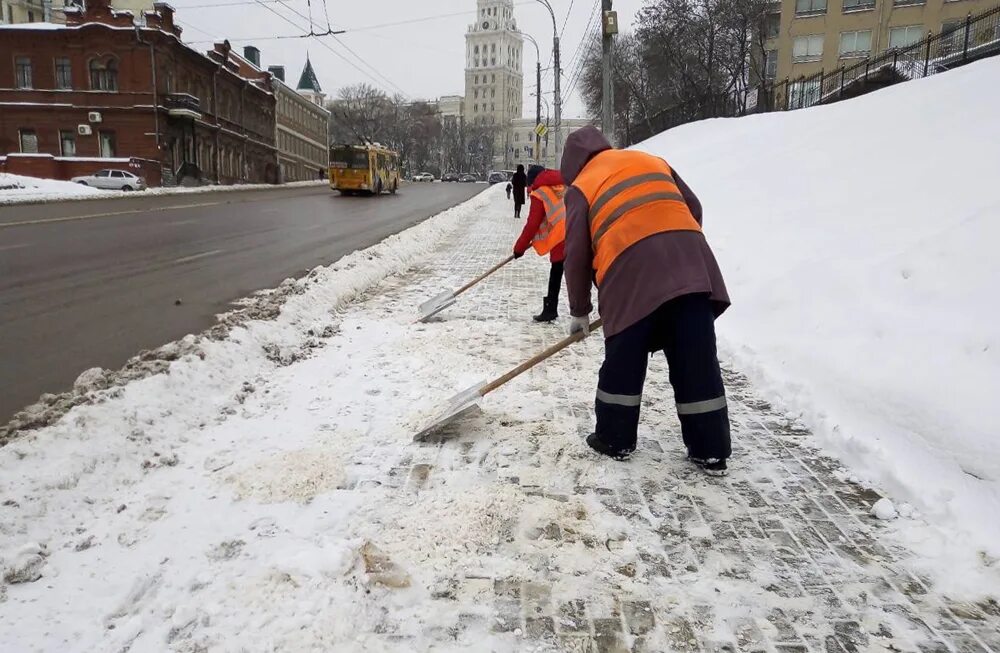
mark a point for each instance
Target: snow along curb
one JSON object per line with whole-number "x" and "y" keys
{"x": 49, "y": 197}
{"x": 272, "y": 328}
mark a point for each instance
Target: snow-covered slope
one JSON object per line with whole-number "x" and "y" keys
{"x": 859, "y": 244}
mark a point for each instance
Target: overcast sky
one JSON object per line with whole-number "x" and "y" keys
{"x": 424, "y": 57}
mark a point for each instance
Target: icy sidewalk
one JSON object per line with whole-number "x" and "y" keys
{"x": 297, "y": 515}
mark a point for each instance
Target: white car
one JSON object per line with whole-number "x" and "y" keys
{"x": 112, "y": 180}
{"x": 423, "y": 176}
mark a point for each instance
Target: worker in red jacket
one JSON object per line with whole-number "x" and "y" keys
{"x": 546, "y": 232}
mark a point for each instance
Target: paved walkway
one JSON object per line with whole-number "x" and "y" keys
{"x": 650, "y": 555}
{"x": 302, "y": 517}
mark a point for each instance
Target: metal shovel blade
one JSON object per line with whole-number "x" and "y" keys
{"x": 462, "y": 404}
{"x": 432, "y": 307}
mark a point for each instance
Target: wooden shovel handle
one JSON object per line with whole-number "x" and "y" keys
{"x": 535, "y": 360}
{"x": 484, "y": 275}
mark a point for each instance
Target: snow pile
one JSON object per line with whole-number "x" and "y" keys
{"x": 18, "y": 188}
{"x": 858, "y": 241}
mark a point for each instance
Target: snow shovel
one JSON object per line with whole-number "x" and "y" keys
{"x": 467, "y": 402}
{"x": 432, "y": 307}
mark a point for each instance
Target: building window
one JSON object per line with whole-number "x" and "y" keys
{"x": 22, "y": 72}
{"x": 29, "y": 141}
{"x": 810, "y": 7}
{"x": 772, "y": 26}
{"x": 64, "y": 73}
{"x": 804, "y": 94}
{"x": 771, "y": 65}
{"x": 104, "y": 75}
{"x": 67, "y": 143}
{"x": 904, "y": 37}
{"x": 903, "y": 3}
{"x": 807, "y": 48}
{"x": 108, "y": 145}
{"x": 855, "y": 44}
{"x": 858, "y": 5}
{"x": 952, "y": 36}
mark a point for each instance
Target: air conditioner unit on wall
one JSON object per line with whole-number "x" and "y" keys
{"x": 94, "y": 116}
{"x": 84, "y": 130}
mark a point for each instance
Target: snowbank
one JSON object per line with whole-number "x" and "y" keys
{"x": 15, "y": 189}
{"x": 858, "y": 241}
{"x": 18, "y": 189}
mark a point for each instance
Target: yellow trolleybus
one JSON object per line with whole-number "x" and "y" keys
{"x": 363, "y": 169}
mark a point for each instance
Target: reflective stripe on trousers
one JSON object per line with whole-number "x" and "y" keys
{"x": 629, "y": 401}
{"x": 702, "y": 407}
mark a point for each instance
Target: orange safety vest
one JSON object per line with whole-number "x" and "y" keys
{"x": 632, "y": 195}
{"x": 552, "y": 231}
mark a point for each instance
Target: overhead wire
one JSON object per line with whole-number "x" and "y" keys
{"x": 580, "y": 56}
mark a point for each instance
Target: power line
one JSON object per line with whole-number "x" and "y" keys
{"x": 566, "y": 20}
{"x": 580, "y": 57}
{"x": 314, "y": 37}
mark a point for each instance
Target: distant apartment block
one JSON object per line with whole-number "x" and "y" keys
{"x": 805, "y": 37}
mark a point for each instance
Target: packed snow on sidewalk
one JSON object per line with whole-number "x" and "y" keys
{"x": 18, "y": 188}
{"x": 263, "y": 493}
{"x": 859, "y": 244}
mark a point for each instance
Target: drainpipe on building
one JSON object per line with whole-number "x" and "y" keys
{"x": 215, "y": 114}
{"x": 878, "y": 28}
{"x": 156, "y": 100}
{"x": 243, "y": 128}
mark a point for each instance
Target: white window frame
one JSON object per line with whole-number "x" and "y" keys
{"x": 64, "y": 136}
{"x": 770, "y": 61}
{"x": 859, "y": 5}
{"x": 921, "y": 33}
{"x": 24, "y": 72}
{"x": 813, "y": 10}
{"x": 21, "y": 134}
{"x": 855, "y": 53}
{"x": 808, "y": 56}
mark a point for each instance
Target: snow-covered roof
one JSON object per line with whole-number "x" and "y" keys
{"x": 38, "y": 26}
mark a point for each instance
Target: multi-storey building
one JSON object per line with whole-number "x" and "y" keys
{"x": 808, "y": 36}
{"x": 522, "y": 140}
{"x": 494, "y": 81}
{"x": 13, "y": 12}
{"x": 100, "y": 87}
{"x": 302, "y": 126}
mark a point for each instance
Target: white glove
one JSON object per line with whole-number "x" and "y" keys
{"x": 580, "y": 325}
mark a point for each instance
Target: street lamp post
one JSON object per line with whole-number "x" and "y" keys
{"x": 538, "y": 96}
{"x": 558, "y": 75}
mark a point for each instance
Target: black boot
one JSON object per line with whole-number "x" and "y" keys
{"x": 549, "y": 311}
{"x": 598, "y": 445}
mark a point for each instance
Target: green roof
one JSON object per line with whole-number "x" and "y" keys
{"x": 308, "y": 81}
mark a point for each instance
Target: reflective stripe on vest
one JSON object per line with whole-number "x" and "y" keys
{"x": 632, "y": 195}
{"x": 552, "y": 231}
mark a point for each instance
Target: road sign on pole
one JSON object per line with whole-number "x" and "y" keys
{"x": 541, "y": 130}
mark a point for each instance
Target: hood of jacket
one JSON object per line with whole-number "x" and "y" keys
{"x": 548, "y": 178}
{"x": 580, "y": 147}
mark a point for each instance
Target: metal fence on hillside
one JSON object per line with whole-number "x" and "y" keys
{"x": 963, "y": 41}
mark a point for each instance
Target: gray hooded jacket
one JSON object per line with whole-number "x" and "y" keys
{"x": 648, "y": 274}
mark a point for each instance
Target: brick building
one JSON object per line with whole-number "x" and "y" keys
{"x": 100, "y": 87}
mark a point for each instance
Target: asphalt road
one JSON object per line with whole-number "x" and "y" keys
{"x": 91, "y": 283}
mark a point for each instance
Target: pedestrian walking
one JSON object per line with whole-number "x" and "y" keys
{"x": 633, "y": 227}
{"x": 545, "y": 231}
{"x": 519, "y": 183}
{"x": 509, "y": 188}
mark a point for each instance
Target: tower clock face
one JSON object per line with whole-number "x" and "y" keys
{"x": 486, "y": 24}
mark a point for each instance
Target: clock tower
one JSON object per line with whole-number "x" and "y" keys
{"x": 494, "y": 81}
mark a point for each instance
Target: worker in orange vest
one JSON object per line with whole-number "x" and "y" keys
{"x": 545, "y": 232}
{"x": 633, "y": 227}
